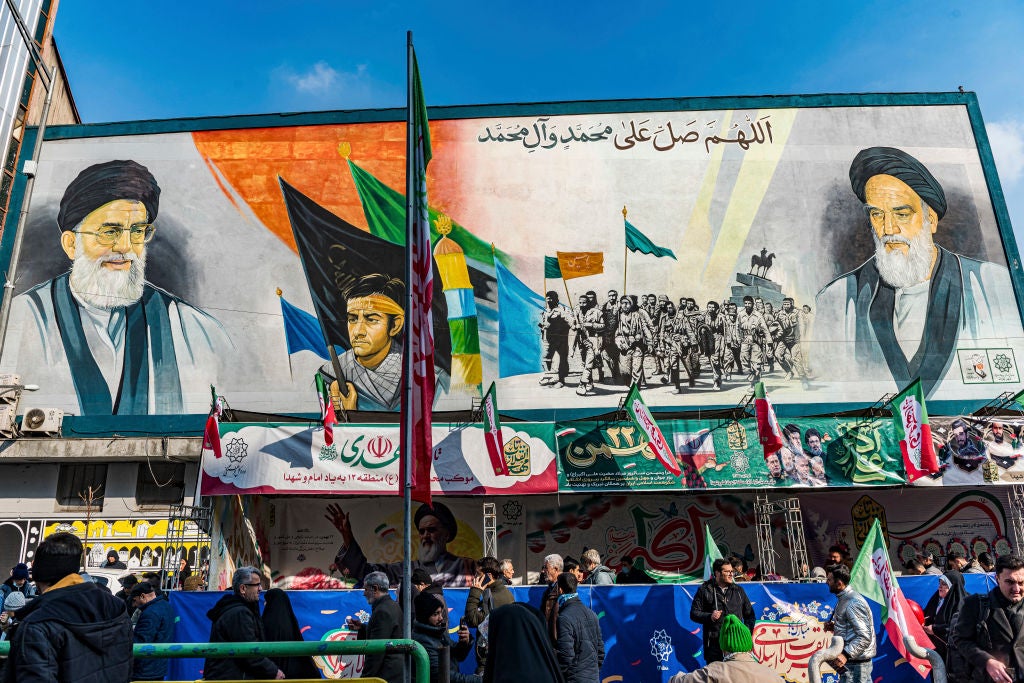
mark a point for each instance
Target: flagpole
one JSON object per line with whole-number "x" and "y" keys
{"x": 625, "y": 253}
{"x": 407, "y": 422}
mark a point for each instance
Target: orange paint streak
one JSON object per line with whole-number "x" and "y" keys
{"x": 307, "y": 157}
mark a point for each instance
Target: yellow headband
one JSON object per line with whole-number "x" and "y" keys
{"x": 375, "y": 303}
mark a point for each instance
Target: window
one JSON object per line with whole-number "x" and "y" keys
{"x": 160, "y": 483}
{"x": 74, "y": 482}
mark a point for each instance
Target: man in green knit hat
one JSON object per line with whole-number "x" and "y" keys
{"x": 739, "y": 665}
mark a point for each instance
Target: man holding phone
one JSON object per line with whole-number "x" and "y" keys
{"x": 488, "y": 592}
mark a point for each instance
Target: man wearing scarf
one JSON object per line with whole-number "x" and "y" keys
{"x": 906, "y": 310}
{"x": 372, "y": 368}
{"x": 126, "y": 346}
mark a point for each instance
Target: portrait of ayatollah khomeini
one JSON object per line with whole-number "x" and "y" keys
{"x": 904, "y": 312}
{"x": 122, "y": 345}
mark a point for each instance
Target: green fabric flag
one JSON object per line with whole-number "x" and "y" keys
{"x": 637, "y": 241}
{"x": 465, "y": 335}
{"x": 551, "y": 269}
{"x": 384, "y": 209}
{"x": 872, "y": 577}
{"x": 711, "y": 552}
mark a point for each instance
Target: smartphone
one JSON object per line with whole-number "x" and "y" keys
{"x": 462, "y": 622}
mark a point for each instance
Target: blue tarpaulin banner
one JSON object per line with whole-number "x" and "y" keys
{"x": 647, "y": 629}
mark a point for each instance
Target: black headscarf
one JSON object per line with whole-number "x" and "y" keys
{"x": 897, "y": 163}
{"x": 104, "y": 183}
{"x": 954, "y": 598}
{"x": 519, "y": 648}
{"x": 280, "y": 624}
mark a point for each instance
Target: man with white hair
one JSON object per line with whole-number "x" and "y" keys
{"x": 597, "y": 573}
{"x": 437, "y": 528}
{"x": 385, "y": 624}
{"x": 126, "y": 346}
{"x": 236, "y": 619}
{"x": 553, "y": 565}
{"x": 904, "y": 312}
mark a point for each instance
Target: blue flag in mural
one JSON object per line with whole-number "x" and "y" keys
{"x": 519, "y": 309}
{"x": 302, "y": 331}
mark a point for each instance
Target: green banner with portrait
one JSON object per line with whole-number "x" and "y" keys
{"x": 726, "y": 454}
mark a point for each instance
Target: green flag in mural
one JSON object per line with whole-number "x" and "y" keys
{"x": 637, "y": 241}
{"x": 384, "y": 209}
{"x": 552, "y": 271}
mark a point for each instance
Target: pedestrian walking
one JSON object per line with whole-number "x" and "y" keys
{"x": 520, "y": 647}
{"x": 429, "y": 629}
{"x": 155, "y": 625}
{"x": 990, "y": 628}
{"x": 580, "y": 645}
{"x": 281, "y": 625}
{"x": 236, "y": 619}
{"x": 74, "y": 630}
{"x": 385, "y": 623}
{"x": 851, "y": 621}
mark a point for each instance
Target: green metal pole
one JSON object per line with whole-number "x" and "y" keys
{"x": 286, "y": 649}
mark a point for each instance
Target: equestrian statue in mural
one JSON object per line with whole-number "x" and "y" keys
{"x": 760, "y": 264}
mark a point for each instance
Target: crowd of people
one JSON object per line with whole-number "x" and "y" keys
{"x": 60, "y": 620}
{"x": 63, "y": 626}
{"x": 648, "y": 339}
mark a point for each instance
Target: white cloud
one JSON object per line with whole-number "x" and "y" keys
{"x": 322, "y": 85}
{"x": 1007, "y": 140}
{"x": 322, "y": 77}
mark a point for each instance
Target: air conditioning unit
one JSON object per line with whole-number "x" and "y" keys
{"x": 8, "y": 392}
{"x": 42, "y": 421}
{"x": 8, "y": 429}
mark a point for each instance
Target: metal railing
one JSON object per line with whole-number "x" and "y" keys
{"x": 311, "y": 648}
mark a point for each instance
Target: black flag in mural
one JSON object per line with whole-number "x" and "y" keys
{"x": 334, "y": 254}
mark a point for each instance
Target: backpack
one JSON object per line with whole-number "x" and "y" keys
{"x": 958, "y": 668}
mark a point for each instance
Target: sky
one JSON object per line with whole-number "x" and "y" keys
{"x": 155, "y": 60}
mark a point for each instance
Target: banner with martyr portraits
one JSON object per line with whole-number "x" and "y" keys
{"x": 834, "y": 247}
{"x": 726, "y": 454}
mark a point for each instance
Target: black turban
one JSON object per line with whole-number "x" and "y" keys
{"x": 897, "y": 163}
{"x": 443, "y": 514}
{"x": 104, "y": 183}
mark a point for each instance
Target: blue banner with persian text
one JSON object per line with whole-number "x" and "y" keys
{"x": 647, "y": 629}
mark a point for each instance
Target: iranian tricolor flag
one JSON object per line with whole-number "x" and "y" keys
{"x": 326, "y": 410}
{"x": 643, "y": 419}
{"x": 915, "y": 434}
{"x": 211, "y": 435}
{"x": 492, "y": 431}
{"x": 872, "y": 577}
{"x": 418, "y": 400}
{"x": 768, "y": 430}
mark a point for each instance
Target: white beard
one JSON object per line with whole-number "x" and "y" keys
{"x": 429, "y": 552}
{"x": 103, "y": 288}
{"x": 899, "y": 270}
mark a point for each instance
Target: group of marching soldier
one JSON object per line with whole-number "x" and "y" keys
{"x": 648, "y": 339}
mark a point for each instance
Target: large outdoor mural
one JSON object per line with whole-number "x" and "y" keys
{"x": 654, "y": 537}
{"x": 835, "y": 253}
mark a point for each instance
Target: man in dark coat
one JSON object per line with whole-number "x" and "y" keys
{"x": 385, "y": 623}
{"x": 716, "y": 598}
{"x": 74, "y": 631}
{"x": 990, "y": 628}
{"x": 488, "y": 592}
{"x": 580, "y": 645}
{"x": 236, "y": 619}
{"x": 155, "y": 625}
